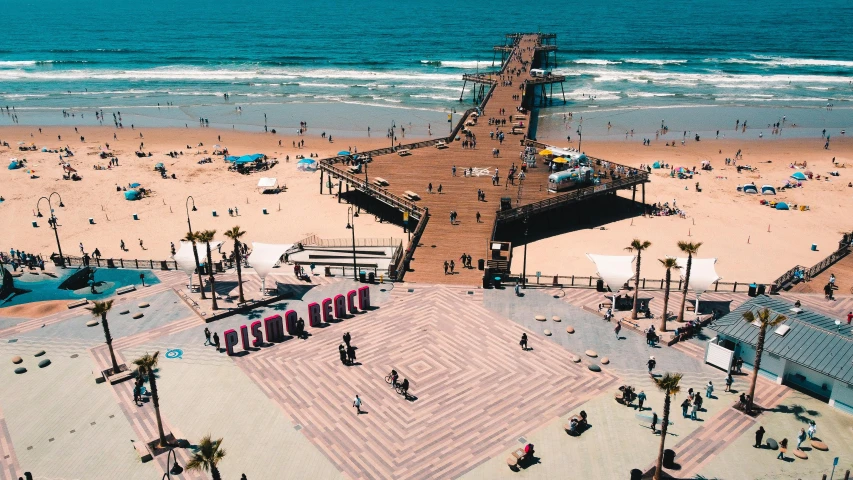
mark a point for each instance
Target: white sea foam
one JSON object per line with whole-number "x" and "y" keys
{"x": 595, "y": 61}
{"x": 653, "y": 61}
{"x": 771, "y": 61}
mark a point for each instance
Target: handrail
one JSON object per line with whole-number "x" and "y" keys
{"x": 783, "y": 279}
{"x": 390, "y": 198}
{"x": 134, "y": 263}
{"x": 589, "y": 281}
{"x": 400, "y": 268}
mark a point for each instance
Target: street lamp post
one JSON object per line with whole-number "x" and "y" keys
{"x": 52, "y": 221}
{"x": 176, "y": 469}
{"x": 351, "y": 216}
{"x": 580, "y": 138}
{"x": 195, "y": 249}
{"x": 524, "y": 263}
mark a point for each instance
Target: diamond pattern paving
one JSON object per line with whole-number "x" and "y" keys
{"x": 476, "y": 392}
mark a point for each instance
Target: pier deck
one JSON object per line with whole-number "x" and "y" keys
{"x": 442, "y": 241}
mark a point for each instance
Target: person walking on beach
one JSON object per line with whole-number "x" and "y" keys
{"x": 523, "y": 342}
{"x": 216, "y": 341}
{"x": 206, "y": 336}
{"x": 759, "y": 437}
{"x": 357, "y": 404}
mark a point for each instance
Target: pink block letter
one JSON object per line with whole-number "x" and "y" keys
{"x": 256, "y": 333}
{"x": 327, "y": 309}
{"x": 230, "y": 337}
{"x": 290, "y": 319}
{"x": 351, "y": 301}
{"x": 274, "y": 328}
{"x": 314, "y": 318}
{"x": 340, "y": 307}
{"x": 364, "y": 298}
{"x": 244, "y": 334}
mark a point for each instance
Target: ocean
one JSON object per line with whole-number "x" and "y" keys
{"x": 407, "y": 57}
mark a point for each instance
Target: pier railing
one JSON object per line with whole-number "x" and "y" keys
{"x": 584, "y": 281}
{"x": 383, "y": 195}
{"x": 134, "y": 263}
{"x": 398, "y": 270}
{"x": 787, "y": 278}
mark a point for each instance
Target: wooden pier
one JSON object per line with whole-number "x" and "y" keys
{"x": 411, "y": 168}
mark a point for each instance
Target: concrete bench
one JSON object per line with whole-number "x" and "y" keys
{"x": 412, "y": 195}
{"x": 404, "y": 152}
{"x": 127, "y": 289}
{"x": 142, "y": 451}
{"x": 380, "y": 181}
{"x": 78, "y": 303}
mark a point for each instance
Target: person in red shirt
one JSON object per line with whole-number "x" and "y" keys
{"x": 849, "y": 317}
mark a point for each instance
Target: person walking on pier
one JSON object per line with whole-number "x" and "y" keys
{"x": 453, "y": 170}
{"x": 445, "y": 267}
{"x": 429, "y": 188}
{"x": 478, "y": 218}
{"x": 452, "y": 266}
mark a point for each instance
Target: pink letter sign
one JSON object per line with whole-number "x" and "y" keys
{"x": 244, "y": 335}
{"x": 340, "y": 307}
{"x": 255, "y": 328}
{"x": 351, "y": 301}
{"x": 314, "y": 318}
{"x": 364, "y": 298}
{"x": 327, "y": 309}
{"x": 290, "y": 319}
{"x": 230, "y": 337}
{"x": 274, "y": 328}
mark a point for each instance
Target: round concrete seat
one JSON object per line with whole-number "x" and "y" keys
{"x": 605, "y": 360}
{"x": 594, "y": 368}
{"x": 591, "y": 353}
{"x": 801, "y": 454}
{"x": 144, "y": 305}
{"x": 138, "y": 315}
{"x": 547, "y": 332}
{"x": 576, "y": 359}
{"x": 512, "y": 463}
{"x": 818, "y": 445}
{"x": 772, "y": 444}
{"x": 92, "y": 323}
{"x": 44, "y": 363}
{"x": 540, "y": 318}
{"x": 570, "y": 330}
{"x": 16, "y": 359}
{"x": 20, "y": 370}
{"x": 124, "y": 312}
{"x": 556, "y": 318}
{"x": 39, "y": 353}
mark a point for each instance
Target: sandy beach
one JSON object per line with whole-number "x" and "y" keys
{"x": 751, "y": 242}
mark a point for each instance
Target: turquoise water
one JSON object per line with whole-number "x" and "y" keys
{"x": 407, "y": 55}
{"x": 41, "y": 287}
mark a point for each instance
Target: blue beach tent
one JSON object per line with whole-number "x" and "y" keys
{"x": 14, "y": 165}
{"x": 799, "y": 176}
{"x": 768, "y": 190}
{"x": 781, "y": 206}
{"x": 656, "y": 165}
{"x": 131, "y": 195}
{"x": 244, "y": 158}
{"x": 344, "y": 152}
{"x": 750, "y": 189}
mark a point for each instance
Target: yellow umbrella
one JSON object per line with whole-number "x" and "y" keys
{"x": 560, "y": 160}
{"x": 546, "y": 152}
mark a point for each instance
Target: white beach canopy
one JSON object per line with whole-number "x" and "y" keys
{"x": 264, "y": 258}
{"x": 185, "y": 259}
{"x": 702, "y": 275}
{"x": 615, "y": 270}
{"x": 267, "y": 182}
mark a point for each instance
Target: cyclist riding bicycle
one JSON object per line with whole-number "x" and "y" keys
{"x": 394, "y": 377}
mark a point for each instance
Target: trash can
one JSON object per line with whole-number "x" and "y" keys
{"x": 327, "y": 271}
{"x": 599, "y": 285}
{"x": 35, "y": 224}
{"x": 668, "y": 457}
{"x": 761, "y": 289}
{"x": 486, "y": 282}
{"x": 135, "y": 216}
{"x": 752, "y": 288}
{"x": 496, "y": 281}
{"x": 362, "y": 276}
{"x": 371, "y": 277}
{"x": 481, "y": 264}
{"x": 814, "y": 247}
{"x": 636, "y": 474}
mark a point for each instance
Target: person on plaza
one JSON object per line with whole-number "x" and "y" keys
{"x": 517, "y": 289}
{"x": 617, "y": 328}
{"x": 216, "y": 340}
{"x": 243, "y": 477}
{"x": 729, "y": 381}
{"x": 783, "y": 447}
{"x": 651, "y": 363}
{"x": 654, "y": 422}
{"x": 300, "y": 328}
{"x": 609, "y": 314}
{"x": 357, "y": 404}
{"x": 801, "y": 437}
{"x": 523, "y": 341}
{"x": 695, "y": 408}
{"x": 685, "y": 405}
{"x": 709, "y": 389}
{"x": 759, "y": 437}
{"x": 351, "y": 354}
{"x": 342, "y": 351}
{"x": 698, "y": 401}
{"x": 690, "y": 393}
{"x": 137, "y": 393}
{"x": 641, "y": 398}
{"x": 347, "y": 338}
{"x": 206, "y": 336}
{"x": 812, "y": 429}
{"x": 849, "y": 317}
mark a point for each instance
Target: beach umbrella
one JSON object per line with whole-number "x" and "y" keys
{"x": 799, "y": 176}
{"x": 43, "y": 149}
{"x": 159, "y": 165}
{"x": 134, "y": 185}
{"x": 560, "y": 160}
{"x": 216, "y": 147}
{"x": 546, "y": 152}
{"x": 344, "y": 152}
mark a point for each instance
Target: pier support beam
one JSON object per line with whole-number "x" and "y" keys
{"x": 321, "y": 182}
{"x": 340, "y": 185}
{"x": 464, "y": 84}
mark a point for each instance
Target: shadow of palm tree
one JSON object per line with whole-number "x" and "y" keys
{"x": 798, "y": 411}
{"x": 255, "y": 314}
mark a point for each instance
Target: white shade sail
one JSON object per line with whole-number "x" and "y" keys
{"x": 186, "y": 260}
{"x": 265, "y": 256}
{"x": 702, "y": 273}
{"x": 615, "y": 270}
{"x": 267, "y": 182}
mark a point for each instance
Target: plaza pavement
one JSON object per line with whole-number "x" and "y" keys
{"x": 285, "y": 410}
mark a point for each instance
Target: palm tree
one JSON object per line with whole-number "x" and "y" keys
{"x": 764, "y": 322}
{"x": 191, "y": 237}
{"x": 668, "y": 384}
{"x": 234, "y": 234}
{"x": 208, "y": 454}
{"x": 668, "y": 263}
{"x": 147, "y": 365}
{"x": 638, "y": 246}
{"x": 690, "y": 249}
{"x": 206, "y": 237}
{"x": 100, "y": 310}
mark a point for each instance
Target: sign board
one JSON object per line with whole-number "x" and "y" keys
{"x": 719, "y": 356}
